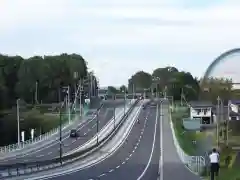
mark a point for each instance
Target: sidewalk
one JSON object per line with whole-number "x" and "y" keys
{"x": 173, "y": 167}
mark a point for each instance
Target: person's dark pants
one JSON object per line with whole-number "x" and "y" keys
{"x": 214, "y": 169}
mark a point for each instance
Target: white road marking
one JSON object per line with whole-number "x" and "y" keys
{"x": 41, "y": 155}
{"x": 49, "y": 153}
{"x": 102, "y": 175}
{"x": 153, "y": 145}
{"x": 161, "y": 144}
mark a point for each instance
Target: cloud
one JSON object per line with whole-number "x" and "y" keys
{"x": 120, "y": 37}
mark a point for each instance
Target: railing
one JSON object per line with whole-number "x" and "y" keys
{"x": 14, "y": 147}
{"x": 195, "y": 163}
{"x": 43, "y": 137}
{"x": 19, "y": 169}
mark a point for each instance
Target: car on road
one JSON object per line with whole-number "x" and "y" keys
{"x": 73, "y": 133}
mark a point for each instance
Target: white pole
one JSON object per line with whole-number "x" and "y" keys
{"x": 32, "y": 134}
{"x": 69, "y": 111}
{"x": 18, "y": 122}
{"x": 23, "y": 136}
{"x": 80, "y": 97}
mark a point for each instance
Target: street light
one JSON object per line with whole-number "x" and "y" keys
{"x": 18, "y": 122}
{"x": 97, "y": 122}
{"x": 114, "y": 111}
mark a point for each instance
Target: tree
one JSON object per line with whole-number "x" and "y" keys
{"x": 123, "y": 88}
{"x": 214, "y": 87}
{"x": 112, "y": 90}
{"x": 140, "y": 81}
{"x": 20, "y": 78}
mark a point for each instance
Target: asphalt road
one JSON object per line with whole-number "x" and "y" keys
{"x": 86, "y": 132}
{"x": 139, "y": 155}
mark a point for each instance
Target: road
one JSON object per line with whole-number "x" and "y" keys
{"x": 138, "y": 156}
{"x": 86, "y": 132}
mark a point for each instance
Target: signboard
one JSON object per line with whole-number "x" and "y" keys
{"x": 23, "y": 136}
{"x": 87, "y": 101}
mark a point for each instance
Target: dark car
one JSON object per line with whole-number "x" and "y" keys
{"x": 73, "y": 133}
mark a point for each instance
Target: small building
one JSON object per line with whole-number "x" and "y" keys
{"x": 234, "y": 106}
{"x": 203, "y": 110}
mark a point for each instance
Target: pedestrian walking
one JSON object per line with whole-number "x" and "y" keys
{"x": 214, "y": 160}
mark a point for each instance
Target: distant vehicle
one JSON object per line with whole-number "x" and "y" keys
{"x": 144, "y": 106}
{"x": 73, "y": 133}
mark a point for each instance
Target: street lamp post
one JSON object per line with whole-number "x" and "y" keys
{"x": 114, "y": 111}
{"x": 18, "y": 123}
{"x": 97, "y": 124}
{"x": 218, "y": 118}
{"x": 60, "y": 135}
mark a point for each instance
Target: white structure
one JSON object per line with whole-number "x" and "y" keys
{"x": 203, "y": 110}
{"x": 235, "y": 109}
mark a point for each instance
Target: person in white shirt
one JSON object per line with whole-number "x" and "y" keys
{"x": 214, "y": 160}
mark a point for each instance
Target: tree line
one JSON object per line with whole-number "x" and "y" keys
{"x": 175, "y": 83}
{"x": 36, "y": 80}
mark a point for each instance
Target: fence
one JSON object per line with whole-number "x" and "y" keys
{"x": 43, "y": 137}
{"x": 194, "y": 163}
{"x": 14, "y": 147}
{"x": 18, "y": 169}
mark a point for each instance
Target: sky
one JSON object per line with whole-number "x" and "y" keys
{"x": 120, "y": 37}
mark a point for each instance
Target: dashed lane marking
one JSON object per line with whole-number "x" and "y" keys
{"x": 130, "y": 155}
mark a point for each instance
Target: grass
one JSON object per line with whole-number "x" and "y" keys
{"x": 185, "y": 138}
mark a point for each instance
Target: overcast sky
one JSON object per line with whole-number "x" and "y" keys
{"x": 120, "y": 37}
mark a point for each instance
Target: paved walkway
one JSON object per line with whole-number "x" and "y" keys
{"x": 173, "y": 168}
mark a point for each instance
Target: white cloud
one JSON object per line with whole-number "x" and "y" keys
{"x": 144, "y": 33}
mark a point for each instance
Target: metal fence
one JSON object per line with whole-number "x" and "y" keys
{"x": 194, "y": 163}
{"x": 14, "y": 147}
{"x": 43, "y": 137}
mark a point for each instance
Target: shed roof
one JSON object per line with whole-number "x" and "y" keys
{"x": 235, "y": 101}
{"x": 200, "y": 104}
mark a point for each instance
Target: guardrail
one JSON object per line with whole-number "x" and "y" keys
{"x": 195, "y": 163}
{"x": 19, "y": 169}
{"x": 15, "y": 147}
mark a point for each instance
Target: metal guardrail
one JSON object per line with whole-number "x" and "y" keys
{"x": 14, "y": 147}
{"x": 43, "y": 137}
{"x": 194, "y": 163}
{"x": 19, "y": 169}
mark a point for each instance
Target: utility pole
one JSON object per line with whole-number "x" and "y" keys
{"x": 227, "y": 122}
{"x": 36, "y": 92}
{"x": 80, "y": 97}
{"x": 97, "y": 124}
{"x": 218, "y": 113}
{"x": 181, "y": 96}
{"x": 60, "y": 134}
{"x": 18, "y": 122}
{"x": 124, "y": 101}
{"x": 69, "y": 109}
{"x": 114, "y": 115}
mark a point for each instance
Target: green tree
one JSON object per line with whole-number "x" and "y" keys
{"x": 123, "y": 88}
{"x": 214, "y": 87}
{"x": 112, "y": 90}
{"x": 139, "y": 81}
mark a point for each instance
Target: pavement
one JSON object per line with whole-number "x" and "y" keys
{"x": 137, "y": 157}
{"x": 86, "y": 132}
{"x": 172, "y": 167}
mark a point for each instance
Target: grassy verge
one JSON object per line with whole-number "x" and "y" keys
{"x": 185, "y": 138}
